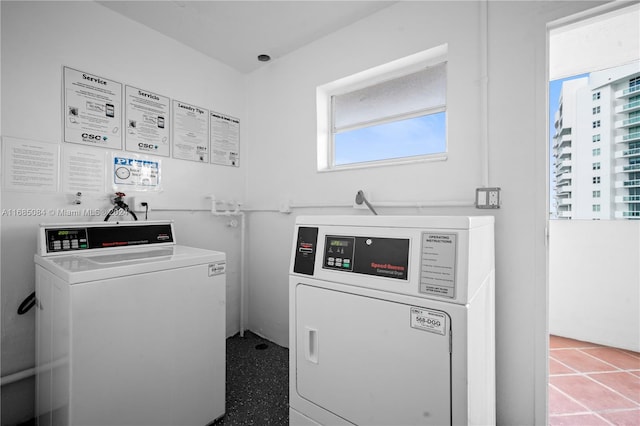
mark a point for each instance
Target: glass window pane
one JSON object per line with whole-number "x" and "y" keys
{"x": 405, "y": 138}
{"x": 420, "y": 91}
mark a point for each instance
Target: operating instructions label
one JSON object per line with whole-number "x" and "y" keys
{"x": 438, "y": 264}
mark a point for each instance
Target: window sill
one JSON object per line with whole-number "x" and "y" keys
{"x": 385, "y": 163}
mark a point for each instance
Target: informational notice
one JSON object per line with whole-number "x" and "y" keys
{"x": 147, "y": 122}
{"x": 30, "y": 165}
{"x": 83, "y": 170}
{"x": 438, "y": 272}
{"x": 225, "y": 139}
{"x": 136, "y": 174}
{"x": 429, "y": 320}
{"x": 92, "y": 110}
{"x": 190, "y": 132}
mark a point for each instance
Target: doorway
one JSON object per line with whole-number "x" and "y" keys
{"x": 594, "y": 94}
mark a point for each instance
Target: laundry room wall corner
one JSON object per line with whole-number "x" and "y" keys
{"x": 38, "y": 40}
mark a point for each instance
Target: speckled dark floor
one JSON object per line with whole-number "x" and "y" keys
{"x": 257, "y": 382}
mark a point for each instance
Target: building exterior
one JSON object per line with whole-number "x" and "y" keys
{"x": 596, "y": 146}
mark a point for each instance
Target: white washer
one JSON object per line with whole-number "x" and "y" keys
{"x": 130, "y": 326}
{"x": 392, "y": 321}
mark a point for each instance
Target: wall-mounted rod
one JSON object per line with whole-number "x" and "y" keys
{"x": 360, "y": 198}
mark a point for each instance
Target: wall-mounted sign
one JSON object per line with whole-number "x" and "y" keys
{"x": 225, "y": 139}
{"x": 83, "y": 169}
{"x": 190, "y": 132}
{"x": 136, "y": 174}
{"x": 146, "y": 122}
{"x": 29, "y": 165}
{"x": 92, "y": 111}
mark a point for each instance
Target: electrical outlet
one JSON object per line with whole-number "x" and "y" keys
{"x": 135, "y": 204}
{"x": 488, "y": 198}
{"x": 494, "y": 198}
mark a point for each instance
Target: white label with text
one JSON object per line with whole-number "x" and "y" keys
{"x": 428, "y": 320}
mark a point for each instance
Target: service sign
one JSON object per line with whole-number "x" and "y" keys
{"x": 147, "y": 122}
{"x": 92, "y": 110}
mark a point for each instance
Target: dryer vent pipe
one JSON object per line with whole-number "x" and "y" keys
{"x": 360, "y": 198}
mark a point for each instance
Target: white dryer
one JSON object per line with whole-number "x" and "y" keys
{"x": 130, "y": 326}
{"x": 392, "y": 321}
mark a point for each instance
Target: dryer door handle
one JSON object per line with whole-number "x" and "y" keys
{"x": 311, "y": 345}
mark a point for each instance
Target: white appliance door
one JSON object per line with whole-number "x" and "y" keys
{"x": 373, "y": 361}
{"x": 149, "y": 349}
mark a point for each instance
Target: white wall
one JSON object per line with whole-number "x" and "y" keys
{"x": 282, "y": 161}
{"x": 594, "y": 281}
{"x": 282, "y": 115}
{"x": 38, "y": 39}
{"x": 278, "y": 150}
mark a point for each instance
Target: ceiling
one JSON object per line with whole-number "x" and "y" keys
{"x": 236, "y": 32}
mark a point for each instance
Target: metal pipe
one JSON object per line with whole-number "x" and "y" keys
{"x": 16, "y": 377}
{"x": 360, "y": 198}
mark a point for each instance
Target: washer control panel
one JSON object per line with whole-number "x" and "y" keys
{"x": 64, "y": 238}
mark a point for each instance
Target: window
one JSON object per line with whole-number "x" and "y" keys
{"x": 595, "y": 207}
{"x": 595, "y": 138}
{"x": 377, "y": 117}
{"x": 595, "y": 124}
{"x": 595, "y": 152}
{"x": 596, "y": 179}
{"x": 596, "y": 110}
{"x": 596, "y": 96}
{"x": 596, "y": 194}
{"x": 595, "y": 166}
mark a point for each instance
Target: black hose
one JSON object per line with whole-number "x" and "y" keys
{"x": 120, "y": 206}
{"x": 27, "y": 304}
{"x": 126, "y": 209}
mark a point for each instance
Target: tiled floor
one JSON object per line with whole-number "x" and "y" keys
{"x": 591, "y": 384}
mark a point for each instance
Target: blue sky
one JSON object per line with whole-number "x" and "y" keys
{"x": 405, "y": 138}
{"x": 555, "y": 87}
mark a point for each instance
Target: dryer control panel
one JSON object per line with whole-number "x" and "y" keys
{"x": 305, "y": 250}
{"x": 382, "y": 257}
{"x": 445, "y": 258}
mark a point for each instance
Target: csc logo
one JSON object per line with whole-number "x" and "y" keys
{"x": 90, "y": 137}
{"x": 147, "y": 146}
